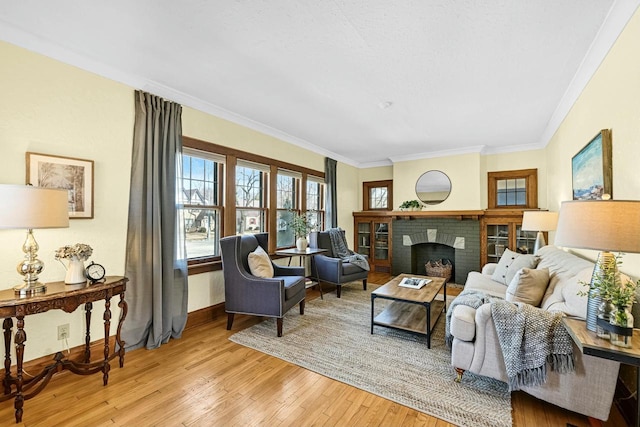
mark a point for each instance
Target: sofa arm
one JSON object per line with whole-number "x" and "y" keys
{"x": 463, "y": 323}
{"x": 489, "y": 268}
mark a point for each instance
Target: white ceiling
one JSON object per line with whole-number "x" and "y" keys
{"x": 367, "y": 82}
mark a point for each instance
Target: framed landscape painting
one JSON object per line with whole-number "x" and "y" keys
{"x": 73, "y": 175}
{"x": 591, "y": 171}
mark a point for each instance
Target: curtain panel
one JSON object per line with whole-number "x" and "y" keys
{"x": 155, "y": 260}
{"x": 331, "y": 201}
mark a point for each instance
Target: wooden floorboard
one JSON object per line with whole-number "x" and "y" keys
{"x": 204, "y": 379}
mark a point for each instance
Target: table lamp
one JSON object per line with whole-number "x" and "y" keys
{"x": 539, "y": 221}
{"x": 604, "y": 225}
{"x": 27, "y": 207}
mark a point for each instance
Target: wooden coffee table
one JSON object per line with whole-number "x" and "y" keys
{"x": 413, "y": 310}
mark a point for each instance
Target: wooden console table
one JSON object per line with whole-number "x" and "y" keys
{"x": 61, "y": 297}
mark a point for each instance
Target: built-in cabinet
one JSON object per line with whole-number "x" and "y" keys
{"x": 502, "y": 229}
{"x": 373, "y": 239}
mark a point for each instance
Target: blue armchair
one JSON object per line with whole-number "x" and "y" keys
{"x": 330, "y": 269}
{"x": 248, "y": 294}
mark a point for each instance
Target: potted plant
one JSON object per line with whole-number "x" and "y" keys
{"x": 411, "y": 205}
{"x": 301, "y": 228}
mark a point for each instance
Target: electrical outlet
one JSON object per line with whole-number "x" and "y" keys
{"x": 63, "y": 331}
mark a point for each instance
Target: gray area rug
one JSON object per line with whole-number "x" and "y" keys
{"x": 333, "y": 339}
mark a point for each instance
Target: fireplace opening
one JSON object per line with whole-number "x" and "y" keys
{"x": 424, "y": 252}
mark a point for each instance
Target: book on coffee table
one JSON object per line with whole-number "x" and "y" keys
{"x": 413, "y": 282}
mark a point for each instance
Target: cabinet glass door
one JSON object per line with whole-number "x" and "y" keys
{"x": 497, "y": 241}
{"x": 525, "y": 240}
{"x": 381, "y": 242}
{"x": 364, "y": 238}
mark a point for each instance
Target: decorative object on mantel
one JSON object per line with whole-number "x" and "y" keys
{"x": 539, "y": 221}
{"x": 67, "y": 173}
{"x": 301, "y": 228}
{"x": 603, "y": 225}
{"x": 76, "y": 255}
{"x": 591, "y": 171}
{"x": 433, "y": 187}
{"x": 26, "y": 207}
{"x": 411, "y": 205}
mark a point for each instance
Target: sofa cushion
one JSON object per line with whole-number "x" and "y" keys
{"x": 293, "y": 285}
{"x": 463, "y": 323}
{"x": 260, "y": 263}
{"x": 510, "y": 263}
{"x": 528, "y": 286}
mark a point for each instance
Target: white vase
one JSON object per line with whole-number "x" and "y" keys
{"x": 75, "y": 272}
{"x": 301, "y": 244}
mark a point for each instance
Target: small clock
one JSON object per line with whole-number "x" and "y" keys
{"x": 95, "y": 272}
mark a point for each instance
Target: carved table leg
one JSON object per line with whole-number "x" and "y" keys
{"x": 123, "y": 313}
{"x": 8, "y": 326}
{"x": 21, "y": 337}
{"x": 107, "y": 327}
{"x": 87, "y": 340}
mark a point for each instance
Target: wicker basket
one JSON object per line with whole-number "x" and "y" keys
{"x": 439, "y": 268}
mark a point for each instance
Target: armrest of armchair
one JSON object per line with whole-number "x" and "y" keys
{"x": 279, "y": 270}
{"x": 328, "y": 268}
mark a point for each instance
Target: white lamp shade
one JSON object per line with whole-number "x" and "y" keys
{"x": 25, "y": 207}
{"x": 604, "y": 225}
{"x": 539, "y": 221}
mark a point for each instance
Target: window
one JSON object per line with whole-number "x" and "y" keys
{"x": 287, "y": 185}
{"x": 315, "y": 203}
{"x": 513, "y": 189}
{"x": 377, "y": 195}
{"x": 228, "y": 191}
{"x": 250, "y": 198}
{"x": 201, "y": 203}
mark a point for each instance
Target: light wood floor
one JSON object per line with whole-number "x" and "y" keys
{"x": 204, "y": 379}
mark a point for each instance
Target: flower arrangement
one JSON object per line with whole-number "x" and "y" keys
{"x": 79, "y": 250}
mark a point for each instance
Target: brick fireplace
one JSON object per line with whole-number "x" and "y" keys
{"x": 417, "y": 240}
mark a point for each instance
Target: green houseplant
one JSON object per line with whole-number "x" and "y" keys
{"x": 411, "y": 205}
{"x": 300, "y": 225}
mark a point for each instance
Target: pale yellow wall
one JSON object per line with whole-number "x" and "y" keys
{"x": 611, "y": 100}
{"x": 463, "y": 171}
{"x": 52, "y": 108}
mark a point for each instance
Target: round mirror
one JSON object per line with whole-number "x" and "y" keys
{"x": 433, "y": 187}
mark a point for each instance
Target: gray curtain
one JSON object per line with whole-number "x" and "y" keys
{"x": 331, "y": 208}
{"x": 155, "y": 260}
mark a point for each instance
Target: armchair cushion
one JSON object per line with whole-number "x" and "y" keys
{"x": 510, "y": 263}
{"x": 260, "y": 263}
{"x": 292, "y": 285}
{"x": 528, "y": 286}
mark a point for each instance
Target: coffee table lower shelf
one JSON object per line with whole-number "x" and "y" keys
{"x": 419, "y": 318}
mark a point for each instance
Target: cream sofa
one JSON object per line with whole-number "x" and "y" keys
{"x": 475, "y": 348}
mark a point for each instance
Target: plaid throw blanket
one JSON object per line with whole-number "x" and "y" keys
{"x": 473, "y": 299}
{"x": 530, "y": 338}
{"x": 342, "y": 251}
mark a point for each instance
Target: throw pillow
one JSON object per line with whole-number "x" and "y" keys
{"x": 528, "y": 285}
{"x": 260, "y": 263}
{"x": 510, "y": 263}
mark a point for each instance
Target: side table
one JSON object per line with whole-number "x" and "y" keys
{"x": 307, "y": 252}
{"x": 589, "y": 343}
{"x": 68, "y": 298}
